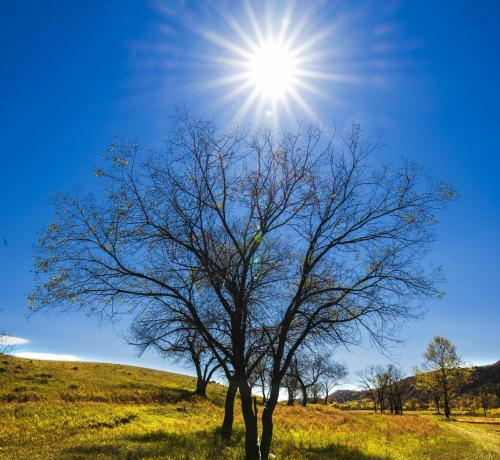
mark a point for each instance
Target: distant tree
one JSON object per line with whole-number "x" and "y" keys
{"x": 292, "y": 240}
{"x": 261, "y": 377}
{"x": 385, "y": 387}
{"x": 381, "y": 387}
{"x": 313, "y": 370}
{"x": 443, "y": 359}
{"x": 334, "y": 374}
{"x": 368, "y": 381}
{"x": 486, "y": 395}
{"x": 291, "y": 384}
{"x": 396, "y": 389}
{"x": 430, "y": 384}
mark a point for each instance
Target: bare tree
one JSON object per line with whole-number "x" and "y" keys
{"x": 308, "y": 368}
{"x": 291, "y": 384}
{"x": 381, "y": 384}
{"x": 368, "y": 381}
{"x": 396, "y": 389}
{"x": 261, "y": 377}
{"x": 264, "y": 243}
{"x": 333, "y": 376}
{"x": 186, "y": 345}
{"x": 443, "y": 359}
{"x": 385, "y": 386}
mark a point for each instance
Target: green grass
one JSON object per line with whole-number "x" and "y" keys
{"x": 50, "y": 410}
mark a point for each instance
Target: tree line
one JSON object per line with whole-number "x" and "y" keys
{"x": 441, "y": 379}
{"x": 245, "y": 252}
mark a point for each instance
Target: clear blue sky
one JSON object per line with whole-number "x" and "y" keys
{"x": 75, "y": 75}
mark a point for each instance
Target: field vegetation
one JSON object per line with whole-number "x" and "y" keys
{"x": 72, "y": 411}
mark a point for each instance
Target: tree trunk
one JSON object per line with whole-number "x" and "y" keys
{"x": 304, "y": 396}
{"x": 250, "y": 420}
{"x": 447, "y": 411}
{"x": 438, "y": 407}
{"x": 326, "y": 399}
{"x": 227, "y": 424}
{"x": 201, "y": 384}
{"x": 201, "y": 387}
{"x": 267, "y": 422}
{"x": 291, "y": 397}
{"x": 263, "y": 386}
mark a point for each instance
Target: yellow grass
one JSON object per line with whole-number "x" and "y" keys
{"x": 50, "y": 410}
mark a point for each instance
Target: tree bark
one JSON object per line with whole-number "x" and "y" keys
{"x": 447, "y": 411}
{"x": 227, "y": 424}
{"x": 250, "y": 420}
{"x": 291, "y": 397}
{"x": 304, "y": 395}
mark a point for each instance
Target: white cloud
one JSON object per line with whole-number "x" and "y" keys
{"x": 46, "y": 356}
{"x": 9, "y": 340}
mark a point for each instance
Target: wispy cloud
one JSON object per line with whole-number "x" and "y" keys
{"x": 10, "y": 340}
{"x": 46, "y": 356}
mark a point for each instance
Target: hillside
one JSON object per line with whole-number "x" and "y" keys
{"x": 489, "y": 374}
{"x": 76, "y": 411}
{"x": 25, "y": 380}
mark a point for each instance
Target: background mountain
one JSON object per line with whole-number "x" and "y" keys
{"x": 482, "y": 375}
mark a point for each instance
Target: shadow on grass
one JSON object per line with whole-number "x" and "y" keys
{"x": 206, "y": 445}
{"x": 200, "y": 445}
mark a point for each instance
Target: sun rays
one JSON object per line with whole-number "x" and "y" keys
{"x": 269, "y": 63}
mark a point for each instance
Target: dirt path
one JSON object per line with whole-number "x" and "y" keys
{"x": 480, "y": 433}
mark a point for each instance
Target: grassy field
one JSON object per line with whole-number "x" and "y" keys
{"x": 72, "y": 411}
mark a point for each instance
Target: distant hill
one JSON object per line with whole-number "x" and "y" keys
{"x": 481, "y": 376}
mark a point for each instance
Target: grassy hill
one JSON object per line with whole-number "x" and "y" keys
{"x": 74, "y": 411}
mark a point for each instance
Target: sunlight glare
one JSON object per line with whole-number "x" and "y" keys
{"x": 272, "y": 70}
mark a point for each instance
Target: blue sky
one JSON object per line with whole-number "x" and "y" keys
{"x": 77, "y": 75}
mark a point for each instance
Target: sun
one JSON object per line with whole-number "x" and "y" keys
{"x": 272, "y": 70}
{"x": 273, "y": 63}
{"x": 267, "y": 65}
